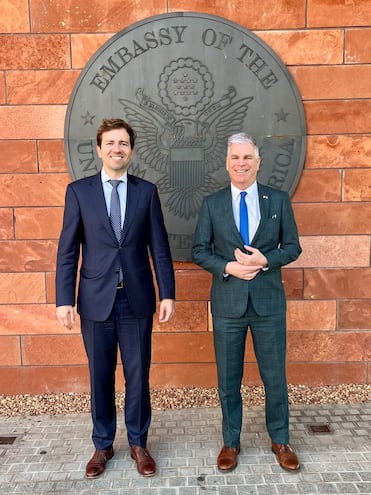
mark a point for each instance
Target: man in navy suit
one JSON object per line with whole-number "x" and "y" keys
{"x": 245, "y": 257}
{"x": 116, "y": 295}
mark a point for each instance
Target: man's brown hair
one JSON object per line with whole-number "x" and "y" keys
{"x": 110, "y": 124}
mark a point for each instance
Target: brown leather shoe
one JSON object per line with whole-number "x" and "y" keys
{"x": 146, "y": 465}
{"x": 286, "y": 457}
{"x": 227, "y": 458}
{"x": 97, "y": 464}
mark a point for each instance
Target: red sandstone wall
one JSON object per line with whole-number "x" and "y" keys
{"x": 326, "y": 44}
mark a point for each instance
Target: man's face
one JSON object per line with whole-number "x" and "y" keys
{"x": 242, "y": 165}
{"x": 115, "y": 152}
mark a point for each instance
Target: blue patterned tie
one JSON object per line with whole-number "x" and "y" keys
{"x": 244, "y": 219}
{"x": 115, "y": 210}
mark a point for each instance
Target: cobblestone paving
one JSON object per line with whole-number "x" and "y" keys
{"x": 49, "y": 454}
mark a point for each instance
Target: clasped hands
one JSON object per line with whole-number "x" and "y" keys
{"x": 247, "y": 265}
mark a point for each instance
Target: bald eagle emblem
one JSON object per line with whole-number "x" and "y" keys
{"x": 183, "y": 137}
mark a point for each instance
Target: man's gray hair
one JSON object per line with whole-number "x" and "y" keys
{"x": 242, "y": 138}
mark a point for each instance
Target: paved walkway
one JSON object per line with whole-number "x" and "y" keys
{"x": 49, "y": 454}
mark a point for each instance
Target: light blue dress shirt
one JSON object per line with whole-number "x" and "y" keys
{"x": 122, "y": 190}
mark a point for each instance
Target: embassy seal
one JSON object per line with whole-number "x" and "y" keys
{"x": 185, "y": 82}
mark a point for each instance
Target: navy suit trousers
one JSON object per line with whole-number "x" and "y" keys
{"x": 102, "y": 339}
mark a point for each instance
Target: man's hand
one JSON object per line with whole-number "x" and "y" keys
{"x": 246, "y": 266}
{"x": 255, "y": 257}
{"x": 66, "y": 316}
{"x": 245, "y": 272}
{"x": 166, "y": 310}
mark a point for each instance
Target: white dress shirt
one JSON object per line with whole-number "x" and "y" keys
{"x": 252, "y": 202}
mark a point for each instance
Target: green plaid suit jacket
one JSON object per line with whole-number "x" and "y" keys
{"x": 217, "y": 237}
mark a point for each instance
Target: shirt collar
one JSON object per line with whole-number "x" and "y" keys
{"x": 105, "y": 177}
{"x": 251, "y": 191}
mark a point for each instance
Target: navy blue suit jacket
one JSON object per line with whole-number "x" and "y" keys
{"x": 87, "y": 229}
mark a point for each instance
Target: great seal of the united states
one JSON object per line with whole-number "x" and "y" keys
{"x": 185, "y": 82}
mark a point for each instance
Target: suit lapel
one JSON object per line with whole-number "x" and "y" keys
{"x": 132, "y": 199}
{"x": 227, "y": 216}
{"x": 97, "y": 197}
{"x": 264, "y": 203}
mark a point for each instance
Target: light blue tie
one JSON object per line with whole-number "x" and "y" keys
{"x": 115, "y": 209}
{"x": 244, "y": 219}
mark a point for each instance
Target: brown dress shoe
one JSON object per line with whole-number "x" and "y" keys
{"x": 97, "y": 464}
{"x": 286, "y": 457}
{"x": 227, "y": 458}
{"x": 146, "y": 465}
